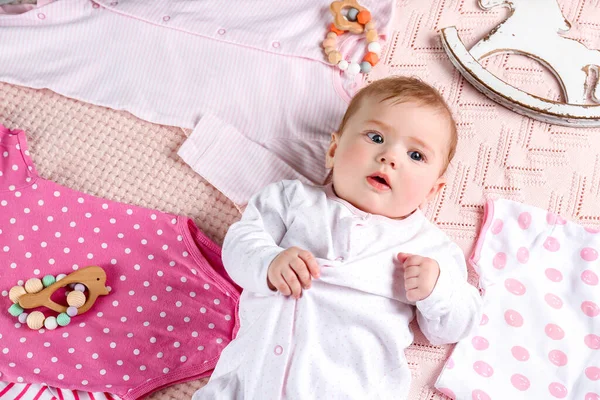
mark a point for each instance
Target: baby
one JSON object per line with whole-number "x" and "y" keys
{"x": 333, "y": 275}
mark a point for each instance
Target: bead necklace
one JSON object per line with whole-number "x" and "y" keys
{"x": 357, "y": 20}
{"x": 38, "y": 292}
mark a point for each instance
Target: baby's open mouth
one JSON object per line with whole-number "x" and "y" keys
{"x": 379, "y": 181}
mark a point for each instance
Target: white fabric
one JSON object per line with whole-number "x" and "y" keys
{"x": 345, "y": 337}
{"x": 539, "y": 337}
{"x": 250, "y": 76}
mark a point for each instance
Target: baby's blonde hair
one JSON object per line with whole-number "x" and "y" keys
{"x": 402, "y": 89}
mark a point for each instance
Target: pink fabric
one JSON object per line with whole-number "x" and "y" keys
{"x": 539, "y": 334}
{"x": 250, "y": 77}
{"x": 169, "y": 312}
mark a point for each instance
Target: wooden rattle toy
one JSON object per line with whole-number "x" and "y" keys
{"x": 357, "y": 20}
{"x": 38, "y": 293}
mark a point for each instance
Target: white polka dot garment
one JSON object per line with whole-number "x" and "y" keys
{"x": 345, "y": 337}
{"x": 539, "y": 336}
{"x": 169, "y": 312}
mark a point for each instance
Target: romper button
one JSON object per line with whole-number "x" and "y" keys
{"x": 96, "y": 5}
{"x": 278, "y": 350}
{"x": 114, "y": 3}
{"x": 166, "y": 18}
{"x": 42, "y": 16}
{"x": 339, "y": 259}
{"x": 276, "y": 45}
{"x": 221, "y": 31}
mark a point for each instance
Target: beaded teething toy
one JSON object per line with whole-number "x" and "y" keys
{"x": 357, "y": 20}
{"x": 38, "y": 293}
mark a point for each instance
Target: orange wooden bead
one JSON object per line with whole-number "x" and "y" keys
{"x": 371, "y": 58}
{"x": 363, "y": 17}
{"x": 335, "y": 30}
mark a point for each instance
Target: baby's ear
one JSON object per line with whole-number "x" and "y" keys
{"x": 436, "y": 188}
{"x": 331, "y": 150}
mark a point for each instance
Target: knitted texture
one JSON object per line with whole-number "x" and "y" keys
{"x": 500, "y": 154}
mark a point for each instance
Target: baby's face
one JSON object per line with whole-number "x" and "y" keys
{"x": 389, "y": 158}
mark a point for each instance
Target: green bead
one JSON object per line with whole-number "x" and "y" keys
{"x": 63, "y": 319}
{"x": 48, "y": 280}
{"x": 365, "y": 67}
{"x": 15, "y": 310}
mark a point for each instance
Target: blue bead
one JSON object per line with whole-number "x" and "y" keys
{"x": 365, "y": 67}
{"x": 352, "y": 13}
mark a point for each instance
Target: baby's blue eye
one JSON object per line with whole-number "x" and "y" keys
{"x": 375, "y": 137}
{"x": 415, "y": 155}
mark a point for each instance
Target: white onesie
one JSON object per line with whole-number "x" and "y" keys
{"x": 345, "y": 337}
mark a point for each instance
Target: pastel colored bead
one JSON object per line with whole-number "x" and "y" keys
{"x": 80, "y": 287}
{"x": 334, "y": 57}
{"x": 35, "y": 320}
{"x": 369, "y": 26}
{"x": 329, "y": 43}
{"x": 63, "y": 319}
{"x": 374, "y": 47}
{"x": 329, "y": 50}
{"x": 60, "y": 276}
{"x": 352, "y": 14}
{"x": 365, "y": 67}
{"x": 72, "y": 311}
{"x": 16, "y": 292}
{"x": 48, "y": 280}
{"x": 50, "y": 323}
{"x": 23, "y": 317}
{"x": 363, "y": 17}
{"x": 372, "y": 36}
{"x": 76, "y": 299}
{"x": 332, "y": 35}
{"x": 371, "y": 58}
{"x": 353, "y": 68}
{"x": 343, "y": 65}
{"x": 33, "y": 285}
{"x": 15, "y": 310}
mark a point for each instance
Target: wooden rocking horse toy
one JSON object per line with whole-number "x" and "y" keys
{"x": 533, "y": 29}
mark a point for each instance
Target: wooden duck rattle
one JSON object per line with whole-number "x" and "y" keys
{"x": 38, "y": 293}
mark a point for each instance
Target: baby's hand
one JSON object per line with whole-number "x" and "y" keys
{"x": 420, "y": 275}
{"x": 291, "y": 271}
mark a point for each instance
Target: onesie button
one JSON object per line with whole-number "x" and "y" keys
{"x": 276, "y": 45}
{"x": 340, "y": 259}
{"x": 166, "y": 18}
{"x": 114, "y": 3}
{"x": 221, "y": 31}
{"x": 95, "y": 5}
{"x": 42, "y": 16}
{"x": 278, "y": 350}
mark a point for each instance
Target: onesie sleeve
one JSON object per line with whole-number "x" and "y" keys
{"x": 214, "y": 140}
{"x": 253, "y": 242}
{"x": 454, "y": 307}
{"x": 16, "y": 168}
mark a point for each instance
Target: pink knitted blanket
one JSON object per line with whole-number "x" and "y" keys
{"x": 500, "y": 154}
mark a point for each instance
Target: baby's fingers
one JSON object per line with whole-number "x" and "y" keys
{"x": 301, "y": 271}
{"x": 281, "y": 285}
{"x": 292, "y": 281}
{"x": 311, "y": 263}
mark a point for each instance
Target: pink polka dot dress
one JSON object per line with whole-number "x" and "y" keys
{"x": 170, "y": 310}
{"x": 539, "y": 337}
